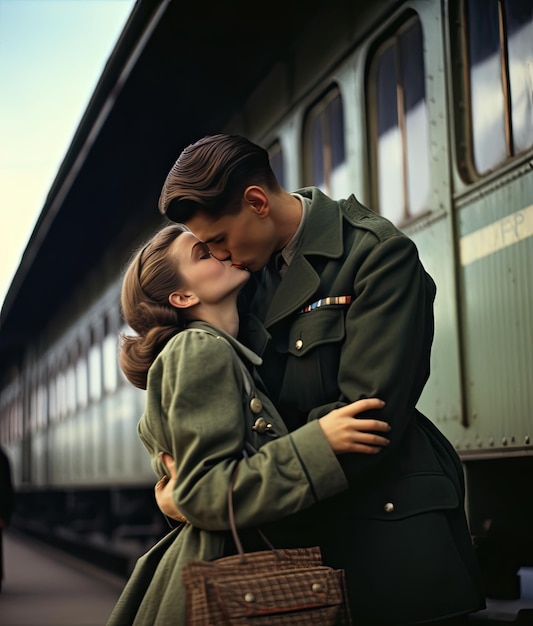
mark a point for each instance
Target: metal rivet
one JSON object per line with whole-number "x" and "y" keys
{"x": 504, "y": 441}
{"x": 249, "y": 597}
{"x": 526, "y": 439}
{"x": 299, "y": 344}
{"x": 317, "y": 587}
{"x": 256, "y": 405}
{"x": 389, "y": 507}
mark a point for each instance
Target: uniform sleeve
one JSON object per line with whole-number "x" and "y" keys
{"x": 200, "y": 403}
{"x": 389, "y": 332}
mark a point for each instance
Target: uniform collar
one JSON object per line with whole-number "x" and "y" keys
{"x": 322, "y": 236}
{"x": 322, "y": 232}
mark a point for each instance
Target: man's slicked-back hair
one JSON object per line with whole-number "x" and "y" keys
{"x": 212, "y": 174}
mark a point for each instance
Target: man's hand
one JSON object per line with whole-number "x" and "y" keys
{"x": 164, "y": 490}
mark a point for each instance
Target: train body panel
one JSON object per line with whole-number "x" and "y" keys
{"x": 383, "y": 100}
{"x": 496, "y": 252}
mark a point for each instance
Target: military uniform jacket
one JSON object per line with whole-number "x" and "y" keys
{"x": 353, "y": 318}
{"x": 198, "y": 409}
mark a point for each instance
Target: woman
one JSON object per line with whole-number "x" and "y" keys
{"x": 204, "y": 411}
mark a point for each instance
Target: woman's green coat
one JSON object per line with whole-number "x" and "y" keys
{"x": 198, "y": 410}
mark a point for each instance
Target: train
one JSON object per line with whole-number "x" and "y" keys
{"x": 421, "y": 108}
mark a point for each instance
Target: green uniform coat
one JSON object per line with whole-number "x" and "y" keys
{"x": 198, "y": 410}
{"x": 400, "y": 531}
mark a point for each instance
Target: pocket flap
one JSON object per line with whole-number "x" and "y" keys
{"x": 409, "y": 495}
{"x": 278, "y": 593}
{"x": 315, "y": 328}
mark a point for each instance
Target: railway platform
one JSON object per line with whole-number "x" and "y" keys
{"x": 47, "y": 586}
{"x": 44, "y": 586}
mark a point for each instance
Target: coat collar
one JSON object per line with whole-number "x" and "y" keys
{"x": 242, "y": 351}
{"x": 322, "y": 235}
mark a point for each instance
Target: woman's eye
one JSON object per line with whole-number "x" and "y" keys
{"x": 204, "y": 251}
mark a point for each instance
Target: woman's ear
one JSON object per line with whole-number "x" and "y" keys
{"x": 182, "y": 300}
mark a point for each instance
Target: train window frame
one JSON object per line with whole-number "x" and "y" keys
{"x": 321, "y": 111}
{"x": 390, "y": 41}
{"x": 468, "y": 143}
{"x": 277, "y": 162}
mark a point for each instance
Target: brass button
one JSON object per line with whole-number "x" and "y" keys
{"x": 261, "y": 425}
{"x": 317, "y": 587}
{"x": 299, "y": 344}
{"x": 256, "y": 405}
{"x": 249, "y": 597}
{"x": 389, "y": 507}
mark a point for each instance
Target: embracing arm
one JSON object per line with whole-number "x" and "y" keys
{"x": 389, "y": 332}
{"x": 203, "y": 427}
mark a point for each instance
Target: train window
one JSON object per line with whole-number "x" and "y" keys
{"x": 276, "y": 162}
{"x": 324, "y": 146}
{"x": 398, "y": 120}
{"x": 52, "y": 395}
{"x": 95, "y": 372}
{"x": 500, "y": 57}
{"x": 41, "y": 407}
{"x": 82, "y": 390}
{"x": 110, "y": 347}
{"x": 61, "y": 395}
{"x": 71, "y": 389}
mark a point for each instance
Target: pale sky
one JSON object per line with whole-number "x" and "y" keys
{"x": 52, "y": 53}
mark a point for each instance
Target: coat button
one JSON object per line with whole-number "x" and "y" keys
{"x": 389, "y": 507}
{"x": 261, "y": 425}
{"x": 299, "y": 344}
{"x": 256, "y": 405}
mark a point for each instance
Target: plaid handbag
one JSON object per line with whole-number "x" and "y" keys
{"x": 271, "y": 587}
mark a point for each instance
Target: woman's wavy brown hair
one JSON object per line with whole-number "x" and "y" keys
{"x": 150, "y": 278}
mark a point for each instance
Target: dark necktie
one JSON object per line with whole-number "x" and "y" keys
{"x": 272, "y": 278}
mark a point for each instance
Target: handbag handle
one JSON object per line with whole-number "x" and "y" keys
{"x": 233, "y": 526}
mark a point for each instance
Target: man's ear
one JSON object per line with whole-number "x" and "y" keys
{"x": 256, "y": 197}
{"x": 182, "y": 300}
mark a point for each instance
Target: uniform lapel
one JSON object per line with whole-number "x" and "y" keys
{"x": 322, "y": 236}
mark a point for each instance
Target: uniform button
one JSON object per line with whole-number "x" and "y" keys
{"x": 299, "y": 344}
{"x": 389, "y": 507}
{"x": 261, "y": 425}
{"x": 256, "y": 405}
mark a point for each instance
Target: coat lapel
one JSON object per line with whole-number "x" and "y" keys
{"x": 322, "y": 236}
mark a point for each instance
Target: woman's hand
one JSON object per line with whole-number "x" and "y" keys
{"x": 164, "y": 489}
{"x": 346, "y": 434}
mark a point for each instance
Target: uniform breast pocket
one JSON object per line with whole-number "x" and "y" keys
{"x": 314, "y": 343}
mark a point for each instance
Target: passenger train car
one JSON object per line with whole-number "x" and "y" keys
{"x": 422, "y": 108}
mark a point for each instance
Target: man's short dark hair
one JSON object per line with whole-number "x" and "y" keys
{"x": 212, "y": 174}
